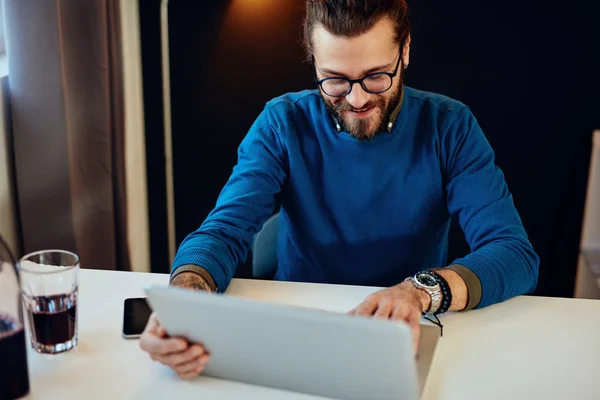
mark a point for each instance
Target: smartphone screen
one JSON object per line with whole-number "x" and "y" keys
{"x": 135, "y": 317}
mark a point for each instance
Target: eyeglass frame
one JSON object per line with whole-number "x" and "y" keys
{"x": 360, "y": 81}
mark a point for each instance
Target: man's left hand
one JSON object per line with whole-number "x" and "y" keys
{"x": 403, "y": 302}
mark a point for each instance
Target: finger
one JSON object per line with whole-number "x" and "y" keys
{"x": 416, "y": 331}
{"x": 193, "y": 352}
{"x": 193, "y": 369}
{"x": 155, "y": 327}
{"x": 414, "y": 320}
{"x": 400, "y": 313}
{"x": 158, "y": 346}
{"x": 197, "y": 363}
{"x": 412, "y": 316}
{"x": 152, "y": 325}
{"x": 191, "y": 374}
{"x": 188, "y": 367}
{"x": 161, "y": 332}
{"x": 150, "y": 338}
{"x": 367, "y": 307}
{"x": 384, "y": 309}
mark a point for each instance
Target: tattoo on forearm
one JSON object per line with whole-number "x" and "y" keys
{"x": 190, "y": 280}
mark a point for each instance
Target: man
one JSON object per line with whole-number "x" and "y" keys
{"x": 368, "y": 173}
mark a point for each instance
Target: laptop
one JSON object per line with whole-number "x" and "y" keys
{"x": 298, "y": 349}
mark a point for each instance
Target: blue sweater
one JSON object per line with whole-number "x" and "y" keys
{"x": 367, "y": 212}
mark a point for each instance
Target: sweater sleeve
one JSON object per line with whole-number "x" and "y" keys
{"x": 247, "y": 200}
{"x": 478, "y": 197}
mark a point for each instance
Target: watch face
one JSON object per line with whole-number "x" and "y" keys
{"x": 426, "y": 280}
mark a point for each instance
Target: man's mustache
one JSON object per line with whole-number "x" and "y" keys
{"x": 347, "y": 107}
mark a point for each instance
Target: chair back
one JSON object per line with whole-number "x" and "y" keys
{"x": 264, "y": 249}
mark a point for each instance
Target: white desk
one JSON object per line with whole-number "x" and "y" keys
{"x": 525, "y": 348}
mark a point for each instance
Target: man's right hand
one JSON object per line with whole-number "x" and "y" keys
{"x": 186, "y": 359}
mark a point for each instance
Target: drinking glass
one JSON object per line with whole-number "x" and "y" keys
{"x": 49, "y": 286}
{"x": 14, "y": 378}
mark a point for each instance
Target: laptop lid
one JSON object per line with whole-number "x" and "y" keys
{"x": 293, "y": 348}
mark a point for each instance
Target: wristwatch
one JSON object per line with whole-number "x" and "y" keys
{"x": 426, "y": 281}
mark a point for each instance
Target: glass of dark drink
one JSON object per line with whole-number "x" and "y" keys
{"x": 14, "y": 376}
{"x": 49, "y": 286}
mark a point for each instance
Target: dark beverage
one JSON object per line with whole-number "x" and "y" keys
{"x": 14, "y": 378}
{"x": 53, "y": 322}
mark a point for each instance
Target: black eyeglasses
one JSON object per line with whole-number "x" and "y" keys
{"x": 375, "y": 83}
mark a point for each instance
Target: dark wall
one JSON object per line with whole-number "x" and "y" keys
{"x": 529, "y": 73}
{"x": 227, "y": 61}
{"x": 154, "y": 123}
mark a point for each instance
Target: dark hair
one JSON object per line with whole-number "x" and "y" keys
{"x": 350, "y": 18}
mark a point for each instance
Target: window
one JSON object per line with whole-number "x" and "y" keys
{"x": 2, "y": 45}
{"x": 3, "y": 58}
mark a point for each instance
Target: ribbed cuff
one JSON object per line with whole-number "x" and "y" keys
{"x": 473, "y": 285}
{"x": 206, "y": 262}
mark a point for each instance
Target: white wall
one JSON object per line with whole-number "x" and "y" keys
{"x": 138, "y": 236}
{"x": 587, "y": 285}
{"x": 8, "y": 225}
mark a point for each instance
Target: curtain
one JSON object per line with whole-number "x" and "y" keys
{"x": 66, "y": 94}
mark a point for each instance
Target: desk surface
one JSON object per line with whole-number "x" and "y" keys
{"x": 524, "y": 348}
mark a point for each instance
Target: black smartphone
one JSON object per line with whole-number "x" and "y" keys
{"x": 136, "y": 313}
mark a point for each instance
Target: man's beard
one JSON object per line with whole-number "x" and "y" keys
{"x": 366, "y": 128}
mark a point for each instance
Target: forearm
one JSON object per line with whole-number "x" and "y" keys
{"x": 191, "y": 280}
{"x": 506, "y": 269}
{"x": 458, "y": 288}
{"x": 209, "y": 252}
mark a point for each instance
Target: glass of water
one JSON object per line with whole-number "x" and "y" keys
{"x": 49, "y": 286}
